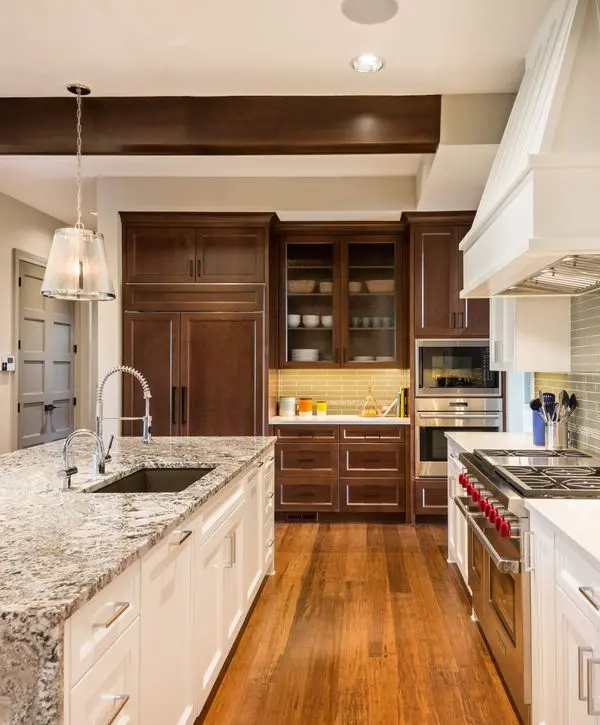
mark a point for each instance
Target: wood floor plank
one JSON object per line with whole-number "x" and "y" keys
{"x": 362, "y": 624}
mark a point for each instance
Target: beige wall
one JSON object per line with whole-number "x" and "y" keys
{"x": 26, "y": 229}
{"x": 364, "y": 198}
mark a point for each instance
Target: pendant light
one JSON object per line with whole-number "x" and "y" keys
{"x": 369, "y": 12}
{"x": 77, "y": 268}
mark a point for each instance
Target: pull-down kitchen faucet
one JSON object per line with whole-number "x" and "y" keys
{"x": 146, "y": 418}
{"x": 99, "y": 460}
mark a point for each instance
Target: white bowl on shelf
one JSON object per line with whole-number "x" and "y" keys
{"x": 305, "y": 355}
{"x": 327, "y": 320}
{"x": 294, "y": 320}
{"x": 384, "y": 358}
{"x": 363, "y": 358}
{"x": 311, "y": 321}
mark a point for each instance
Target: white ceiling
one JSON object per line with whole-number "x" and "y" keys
{"x": 48, "y": 182}
{"x": 253, "y": 47}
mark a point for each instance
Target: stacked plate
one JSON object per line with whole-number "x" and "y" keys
{"x": 305, "y": 355}
{"x": 384, "y": 358}
{"x": 363, "y": 358}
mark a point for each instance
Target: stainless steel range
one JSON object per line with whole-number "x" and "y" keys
{"x": 495, "y": 486}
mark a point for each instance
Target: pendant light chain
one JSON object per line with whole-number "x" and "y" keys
{"x": 79, "y": 224}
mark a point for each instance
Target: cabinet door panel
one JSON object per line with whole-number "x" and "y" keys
{"x": 367, "y": 460}
{"x": 253, "y": 541}
{"x": 166, "y": 633}
{"x": 474, "y": 317}
{"x": 319, "y": 460}
{"x": 151, "y": 345}
{"x": 160, "y": 254}
{"x": 222, "y": 369}
{"x": 230, "y": 255}
{"x": 233, "y": 578}
{"x": 431, "y": 496}
{"x": 436, "y": 281}
{"x": 367, "y": 495}
{"x": 307, "y": 494}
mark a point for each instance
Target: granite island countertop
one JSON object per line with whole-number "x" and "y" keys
{"x": 58, "y": 548}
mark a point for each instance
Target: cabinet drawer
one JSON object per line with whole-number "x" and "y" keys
{"x": 373, "y": 433}
{"x": 218, "y": 508}
{"x": 578, "y": 578}
{"x": 378, "y": 459}
{"x": 288, "y": 433}
{"x": 431, "y": 497}
{"x": 365, "y": 495}
{"x": 109, "y": 692}
{"x": 320, "y": 459}
{"x": 307, "y": 495}
{"x": 269, "y": 544}
{"x": 97, "y": 625}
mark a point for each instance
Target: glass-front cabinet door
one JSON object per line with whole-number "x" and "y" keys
{"x": 371, "y": 277}
{"x": 310, "y": 326}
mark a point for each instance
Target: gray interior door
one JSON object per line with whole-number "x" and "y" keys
{"x": 46, "y": 361}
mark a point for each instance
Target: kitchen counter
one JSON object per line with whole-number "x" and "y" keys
{"x": 58, "y": 548}
{"x": 338, "y": 420}
{"x": 577, "y": 519}
{"x": 470, "y": 441}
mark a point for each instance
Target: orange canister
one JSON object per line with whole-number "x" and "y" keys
{"x": 305, "y": 407}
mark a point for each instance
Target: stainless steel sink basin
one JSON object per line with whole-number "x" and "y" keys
{"x": 156, "y": 480}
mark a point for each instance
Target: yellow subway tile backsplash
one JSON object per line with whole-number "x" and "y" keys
{"x": 344, "y": 390}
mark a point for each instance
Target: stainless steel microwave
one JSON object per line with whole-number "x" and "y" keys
{"x": 455, "y": 368}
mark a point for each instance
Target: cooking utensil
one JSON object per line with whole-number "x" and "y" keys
{"x": 543, "y": 406}
{"x": 535, "y": 404}
{"x": 572, "y": 403}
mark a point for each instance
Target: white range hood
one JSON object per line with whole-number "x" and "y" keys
{"x": 537, "y": 229}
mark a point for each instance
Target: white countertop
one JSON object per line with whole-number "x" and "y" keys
{"x": 577, "y": 519}
{"x": 470, "y": 441}
{"x": 337, "y": 420}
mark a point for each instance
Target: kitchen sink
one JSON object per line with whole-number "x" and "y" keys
{"x": 156, "y": 480}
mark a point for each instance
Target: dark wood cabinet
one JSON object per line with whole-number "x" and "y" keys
{"x": 196, "y": 389}
{"x": 181, "y": 248}
{"x": 230, "y": 255}
{"x": 222, "y": 370}
{"x": 159, "y": 254}
{"x": 317, "y": 470}
{"x": 343, "y": 296}
{"x": 431, "y": 496}
{"x": 439, "y": 311}
{"x": 151, "y": 343}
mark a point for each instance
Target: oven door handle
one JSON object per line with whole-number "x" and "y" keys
{"x": 458, "y": 415}
{"x": 463, "y": 506}
{"x": 503, "y": 564}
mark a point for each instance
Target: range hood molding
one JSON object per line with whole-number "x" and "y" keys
{"x": 541, "y": 202}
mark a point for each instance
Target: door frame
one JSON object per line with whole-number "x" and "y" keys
{"x": 19, "y": 256}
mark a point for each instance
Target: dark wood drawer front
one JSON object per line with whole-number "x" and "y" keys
{"x": 307, "y": 495}
{"x": 431, "y": 497}
{"x": 297, "y": 459}
{"x": 366, "y": 495}
{"x": 379, "y": 459}
{"x": 373, "y": 433}
{"x": 306, "y": 432}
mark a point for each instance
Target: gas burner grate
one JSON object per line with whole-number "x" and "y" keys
{"x": 522, "y": 471}
{"x": 540, "y": 482}
{"x": 535, "y": 453}
{"x": 495, "y": 452}
{"x": 592, "y": 484}
{"x": 570, "y": 472}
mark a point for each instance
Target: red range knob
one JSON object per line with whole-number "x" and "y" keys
{"x": 462, "y": 479}
{"x": 469, "y": 488}
{"x": 475, "y": 495}
{"x": 483, "y": 503}
{"x": 505, "y": 529}
{"x": 492, "y": 514}
{"x": 499, "y": 521}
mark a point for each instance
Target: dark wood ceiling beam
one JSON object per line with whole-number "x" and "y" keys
{"x": 231, "y": 125}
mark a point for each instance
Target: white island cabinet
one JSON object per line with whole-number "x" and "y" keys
{"x": 565, "y": 612}
{"x": 148, "y": 648}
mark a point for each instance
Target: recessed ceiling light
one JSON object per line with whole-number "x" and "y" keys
{"x": 369, "y": 12}
{"x": 367, "y": 63}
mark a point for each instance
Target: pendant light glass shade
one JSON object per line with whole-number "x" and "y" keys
{"x": 77, "y": 267}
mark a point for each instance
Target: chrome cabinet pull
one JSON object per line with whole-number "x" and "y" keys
{"x": 231, "y": 562}
{"x": 588, "y": 594}
{"x": 581, "y": 652}
{"x": 120, "y": 702}
{"x": 119, "y": 610}
{"x": 183, "y": 536}
{"x": 271, "y": 495}
{"x": 270, "y": 543}
{"x": 528, "y": 557}
{"x": 592, "y": 710}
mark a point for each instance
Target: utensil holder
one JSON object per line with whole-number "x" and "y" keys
{"x": 557, "y": 435}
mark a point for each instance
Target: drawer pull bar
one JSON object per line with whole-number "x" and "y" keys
{"x": 183, "y": 536}
{"x": 270, "y": 543}
{"x": 588, "y": 593}
{"x": 271, "y": 495}
{"x": 306, "y": 460}
{"x": 592, "y": 710}
{"x": 120, "y": 702}
{"x": 119, "y": 610}
{"x": 581, "y": 652}
{"x": 231, "y": 562}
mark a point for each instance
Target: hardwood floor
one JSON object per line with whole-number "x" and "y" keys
{"x": 363, "y": 624}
